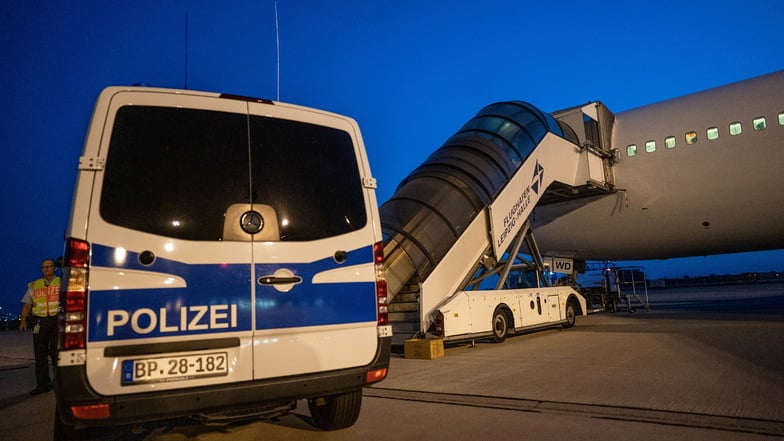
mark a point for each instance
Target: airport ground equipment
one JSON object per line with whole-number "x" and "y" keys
{"x": 626, "y": 285}
{"x": 461, "y": 259}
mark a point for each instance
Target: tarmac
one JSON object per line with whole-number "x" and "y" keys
{"x": 707, "y": 358}
{"x": 699, "y": 353}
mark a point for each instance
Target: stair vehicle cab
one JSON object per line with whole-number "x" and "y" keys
{"x": 223, "y": 257}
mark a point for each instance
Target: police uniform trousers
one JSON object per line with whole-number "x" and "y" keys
{"x": 44, "y": 347}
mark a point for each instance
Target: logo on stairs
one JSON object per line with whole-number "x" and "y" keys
{"x": 538, "y": 178}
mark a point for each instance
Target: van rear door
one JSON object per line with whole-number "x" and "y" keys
{"x": 170, "y": 297}
{"x": 314, "y": 279}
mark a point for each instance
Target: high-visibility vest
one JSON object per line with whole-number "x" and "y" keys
{"x": 46, "y": 299}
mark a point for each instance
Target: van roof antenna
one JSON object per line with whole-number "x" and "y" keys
{"x": 277, "y": 50}
{"x": 185, "y": 60}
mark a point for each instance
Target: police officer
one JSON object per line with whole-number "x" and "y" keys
{"x": 43, "y": 299}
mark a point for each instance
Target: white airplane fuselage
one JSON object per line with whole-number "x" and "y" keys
{"x": 723, "y": 193}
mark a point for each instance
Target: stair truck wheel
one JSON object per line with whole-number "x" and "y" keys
{"x": 570, "y": 314}
{"x": 500, "y": 325}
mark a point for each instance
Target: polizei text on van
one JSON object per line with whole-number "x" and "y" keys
{"x": 191, "y": 318}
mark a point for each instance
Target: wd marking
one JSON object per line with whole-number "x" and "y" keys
{"x": 560, "y": 264}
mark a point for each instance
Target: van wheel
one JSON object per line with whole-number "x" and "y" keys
{"x": 571, "y": 314}
{"x": 64, "y": 432}
{"x": 336, "y": 411}
{"x": 500, "y": 325}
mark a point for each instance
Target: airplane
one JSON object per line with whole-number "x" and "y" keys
{"x": 695, "y": 175}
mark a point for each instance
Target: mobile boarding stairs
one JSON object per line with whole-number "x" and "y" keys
{"x": 457, "y": 234}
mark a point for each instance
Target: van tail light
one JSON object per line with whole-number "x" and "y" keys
{"x": 73, "y": 295}
{"x": 376, "y": 375}
{"x": 381, "y": 284}
{"x": 91, "y": 412}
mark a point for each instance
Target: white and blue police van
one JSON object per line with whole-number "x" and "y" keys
{"x": 223, "y": 259}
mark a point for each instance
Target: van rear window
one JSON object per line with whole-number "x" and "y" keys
{"x": 174, "y": 172}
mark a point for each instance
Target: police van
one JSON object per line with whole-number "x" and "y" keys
{"x": 223, "y": 259}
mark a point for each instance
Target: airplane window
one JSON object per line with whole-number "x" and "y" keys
{"x": 735, "y": 128}
{"x": 781, "y": 118}
{"x": 712, "y": 132}
{"x": 631, "y": 150}
{"x": 669, "y": 142}
{"x": 691, "y": 138}
{"x": 759, "y": 123}
{"x": 650, "y": 146}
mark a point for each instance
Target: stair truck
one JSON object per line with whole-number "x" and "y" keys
{"x": 462, "y": 262}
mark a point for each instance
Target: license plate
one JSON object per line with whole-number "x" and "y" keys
{"x": 164, "y": 369}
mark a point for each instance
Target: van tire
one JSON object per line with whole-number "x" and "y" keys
{"x": 65, "y": 432}
{"x": 336, "y": 411}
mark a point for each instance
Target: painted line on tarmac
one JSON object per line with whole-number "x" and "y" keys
{"x": 14, "y": 367}
{"x": 599, "y": 411}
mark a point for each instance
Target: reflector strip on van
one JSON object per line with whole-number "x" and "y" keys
{"x": 91, "y": 412}
{"x": 376, "y": 375}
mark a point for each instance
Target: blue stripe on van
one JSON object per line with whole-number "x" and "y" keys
{"x": 218, "y": 299}
{"x": 309, "y": 304}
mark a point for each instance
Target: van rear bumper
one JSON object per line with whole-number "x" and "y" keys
{"x": 72, "y": 389}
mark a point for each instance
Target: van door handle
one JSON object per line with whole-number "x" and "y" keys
{"x": 283, "y": 280}
{"x": 274, "y": 280}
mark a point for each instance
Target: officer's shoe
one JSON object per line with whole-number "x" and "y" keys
{"x": 41, "y": 389}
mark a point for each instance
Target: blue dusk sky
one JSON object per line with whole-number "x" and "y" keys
{"x": 410, "y": 72}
